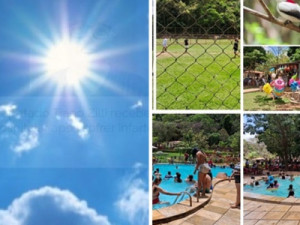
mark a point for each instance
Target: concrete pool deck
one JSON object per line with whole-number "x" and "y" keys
{"x": 270, "y": 213}
{"x": 217, "y": 210}
{"x": 266, "y": 210}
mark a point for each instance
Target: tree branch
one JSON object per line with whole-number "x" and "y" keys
{"x": 270, "y": 17}
{"x": 266, "y": 9}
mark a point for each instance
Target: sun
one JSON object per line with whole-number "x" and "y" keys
{"x": 67, "y": 63}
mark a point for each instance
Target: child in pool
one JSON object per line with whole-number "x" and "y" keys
{"x": 292, "y": 178}
{"x": 190, "y": 179}
{"x": 291, "y": 191}
{"x": 270, "y": 179}
{"x": 168, "y": 176}
{"x": 276, "y": 185}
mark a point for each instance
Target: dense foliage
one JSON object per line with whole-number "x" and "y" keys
{"x": 280, "y": 133}
{"x": 203, "y": 131}
{"x": 294, "y": 53}
{"x": 262, "y": 59}
{"x": 254, "y": 56}
{"x": 253, "y": 150}
{"x": 198, "y": 17}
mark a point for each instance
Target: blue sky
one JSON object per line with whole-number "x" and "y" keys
{"x": 276, "y": 50}
{"x": 74, "y": 143}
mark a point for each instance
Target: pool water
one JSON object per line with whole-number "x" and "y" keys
{"x": 282, "y": 191}
{"x": 170, "y": 186}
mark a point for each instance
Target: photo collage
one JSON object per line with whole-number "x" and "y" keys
{"x": 107, "y": 105}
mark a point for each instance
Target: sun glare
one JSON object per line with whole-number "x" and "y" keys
{"x": 67, "y": 63}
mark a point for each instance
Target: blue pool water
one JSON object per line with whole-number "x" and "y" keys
{"x": 170, "y": 186}
{"x": 282, "y": 191}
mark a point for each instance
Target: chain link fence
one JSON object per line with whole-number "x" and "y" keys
{"x": 196, "y": 64}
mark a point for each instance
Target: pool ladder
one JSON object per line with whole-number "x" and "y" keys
{"x": 182, "y": 195}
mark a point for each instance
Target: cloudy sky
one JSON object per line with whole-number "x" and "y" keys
{"x": 74, "y": 152}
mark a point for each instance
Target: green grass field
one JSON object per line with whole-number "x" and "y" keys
{"x": 261, "y": 101}
{"x": 206, "y": 77}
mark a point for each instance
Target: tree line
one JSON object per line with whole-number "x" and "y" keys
{"x": 258, "y": 58}
{"x": 196, "y": 17}
{"x": 202, "y": 131}
{"x": 279, "y": 132}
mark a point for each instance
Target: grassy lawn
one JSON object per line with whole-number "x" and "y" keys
{"x": 261, "y": 101}
{"x": 206, "y": 77}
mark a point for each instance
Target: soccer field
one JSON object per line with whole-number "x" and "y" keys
{"x": 206, "y": 77}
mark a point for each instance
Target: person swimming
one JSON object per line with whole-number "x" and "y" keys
{"x": 270, "y": 179}
{"x": 291, "y": 191}
{"x": 276, "y": 185}
{"x": 168, "y": 175}
{"x": 178, "y": 179}
{"x": 190, "y": 179}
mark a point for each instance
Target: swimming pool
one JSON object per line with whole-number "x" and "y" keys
{"x": 282, "y": 191}
{"x": 170, "y": 186}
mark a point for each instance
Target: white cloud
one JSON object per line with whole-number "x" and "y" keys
{"x": 248, "y": 136}
{"x": 138, "y": 165}
{"x": 28, "y": 140}
{"x": 138, "y": 104}
{"x": 58, "y": 117}
{"x": 9, "y": 125}
{"x": 79, "y": 126}
{"x": 48, "y": 206}
{"x": 8, "y": 109}
{"x": 133, "y": 203}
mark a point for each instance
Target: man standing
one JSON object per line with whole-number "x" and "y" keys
{"x": 186, "y": 44}
{"x": 202, "y": 168}
{"x": 165, "y": 44}
{"x": 236, "y": 47}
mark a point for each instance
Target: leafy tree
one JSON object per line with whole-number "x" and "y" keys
{"x": 253, "y": 149}
{"x": 201, "y": 140}
{"x": 223, "y": 135}
{"x": 291, "y": 51}
{"x": 254, "y": 56}
{"x": 296, "y": 55}
{"x": 198, "y": 17}
{"x": 188, "y": 138}
{"x": 279, "y": 132}
{"x": 214, "y": 139}
{"x": 234, "y": 142}
{"x": 203, "y": 130}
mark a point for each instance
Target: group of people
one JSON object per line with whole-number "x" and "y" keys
{"x": 165, "y": 44}
{"x": 273, "y": 184}
{"x": 203, "y": 184}
{"x": 186, "y": 46}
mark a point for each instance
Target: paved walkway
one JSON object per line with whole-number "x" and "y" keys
{"x": 266, "y": 213}
{"x": 217, "y": 211}
{"x": 249, "y": 90}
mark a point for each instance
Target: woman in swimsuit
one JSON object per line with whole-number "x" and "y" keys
{"x": 156, "y": 190}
